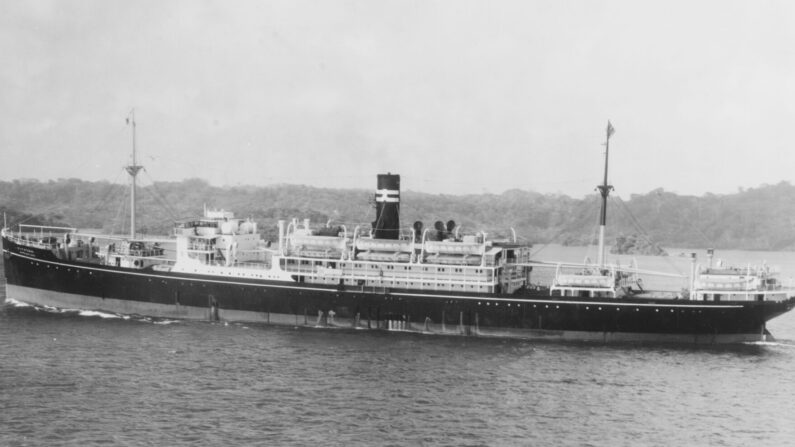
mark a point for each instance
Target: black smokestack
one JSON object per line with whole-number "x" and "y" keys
{"x": 387, "y": 207}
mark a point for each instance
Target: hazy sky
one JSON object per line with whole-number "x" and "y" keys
{"x": 456, "y": 96}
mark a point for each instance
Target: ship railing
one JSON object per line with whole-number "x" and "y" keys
{"x": 749, "y": 270}
{"x": 439, "y": 285}
{"x": 584, "y": 281}
{"x": 39, "y": 231}
{"x": 728, "y": 286}
{"x": 422, "y": 283}
{"x": 252, "y": 265}
{"x": 105, "y": 239}
{"x": 742, "y": 295}
{"x": 39, "y": 236}
{"x": 54, "y": 231}
{"x": 249, "y": 265}
{"x": 158, "y": 258}
{"x": 160, "y": 261}
{"x": 143, "y": 254}
{"x": 21, "y": 239}
{"x": 46, "y": 228}
{"x": 387, "y": 276}
{"x": 588, "y": 291}
{"x": 349, "y": 274}
{"x": 399, "y": 266}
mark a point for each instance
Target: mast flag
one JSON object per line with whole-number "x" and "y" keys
{"x": 610, "y": 129}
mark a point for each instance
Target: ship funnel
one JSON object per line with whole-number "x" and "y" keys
{"x": 387, "y": 207}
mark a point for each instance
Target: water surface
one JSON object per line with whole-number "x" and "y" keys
{"x": 84, "y": 378}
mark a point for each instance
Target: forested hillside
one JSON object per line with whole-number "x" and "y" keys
{"x": 760, "y": 218}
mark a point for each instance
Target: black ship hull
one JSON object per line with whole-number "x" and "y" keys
{"x": 37, "y": 277}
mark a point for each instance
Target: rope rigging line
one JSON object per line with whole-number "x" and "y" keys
{"x": 110, "y": 190}
{"x": 643, "y": 231}
{"x": 170, "y": 219}
{"x": 704, "y": 237}
{"x": 101, "y": 203}
{"x": 21, "y": 221}
{"x": 633, "y": 220}
{"x": 590, "y": 210}
{"x": 159, "y": 197}
{"x": 121, "y": 214}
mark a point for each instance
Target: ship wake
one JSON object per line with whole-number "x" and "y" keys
{"x": 88, "y": 313}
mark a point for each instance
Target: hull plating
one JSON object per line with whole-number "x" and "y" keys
{"x": 70, "y": 301}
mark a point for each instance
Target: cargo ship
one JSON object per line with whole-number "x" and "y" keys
{"x": 382, "y": 276}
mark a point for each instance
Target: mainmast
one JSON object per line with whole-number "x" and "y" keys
{"x": 604, "y": 189}
{"x": 133, "y": 171}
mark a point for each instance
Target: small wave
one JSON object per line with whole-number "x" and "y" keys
{"x": 56, "y": 310}
{"x": 150, "y": 320}
{"x": 88, "y": 313}
{"x": 59, "y": 310}
{"x": 15, "y": 303}
{"x": 95, "y": 313}
{"x": 164, "y": 322}
{"x": 38, "y": 307}
{"x": 778, "y": 344}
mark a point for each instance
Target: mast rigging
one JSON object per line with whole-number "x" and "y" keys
{"x": 604, "y": 190}
{"x": 133, "y": 170}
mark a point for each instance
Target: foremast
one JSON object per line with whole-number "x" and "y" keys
{"x": 133, "y": 170}
{"x": 604, "y": 190}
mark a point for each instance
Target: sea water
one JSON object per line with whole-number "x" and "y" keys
{"x": 70, "y": 377}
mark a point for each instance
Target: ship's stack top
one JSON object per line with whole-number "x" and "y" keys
{"x": 387, "y": 207}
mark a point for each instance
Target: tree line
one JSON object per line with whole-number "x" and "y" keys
{"x": 752, "y": 219}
